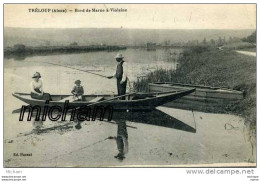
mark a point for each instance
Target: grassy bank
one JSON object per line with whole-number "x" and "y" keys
{"x": 211, "y": 67}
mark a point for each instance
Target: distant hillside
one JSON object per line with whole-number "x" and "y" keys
{"x": 111, "y": 36}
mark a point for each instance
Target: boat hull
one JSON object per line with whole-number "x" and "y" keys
{"x": 208, "y": 99}
{"x": 136, "y": 102}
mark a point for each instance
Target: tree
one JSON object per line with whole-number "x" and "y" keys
{"x": 74, "y": 44}
{"x": 204, "y": 41}
{"x": 224, "y": 40}
{"x": 251, "y": 38}
{"x": 230, "y": 40}
{"x": 212, "y": 42}
{"x": 19, "y": 47}
{"x": 220, "y": 43}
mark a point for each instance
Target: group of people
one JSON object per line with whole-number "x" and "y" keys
{"x": 120, "y": 74}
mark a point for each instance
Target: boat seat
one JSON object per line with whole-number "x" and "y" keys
{"x": 69, "y": 98}
{"x": 96, "y": 99}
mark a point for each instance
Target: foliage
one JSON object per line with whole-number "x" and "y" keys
{"x": 216, "y": 68}
{"x": 251, "y": 38}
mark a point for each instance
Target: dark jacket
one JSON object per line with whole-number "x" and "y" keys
{"x": 119, "y": 70}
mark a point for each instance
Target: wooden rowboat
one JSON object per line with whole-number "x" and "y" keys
{"x": 134, "y": 102}
{"x": 205, "y": 98}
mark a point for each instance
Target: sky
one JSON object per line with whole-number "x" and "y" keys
{"x": 138, "y": 16}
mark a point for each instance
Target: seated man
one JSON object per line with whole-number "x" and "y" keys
{"x": 77, "y": 91}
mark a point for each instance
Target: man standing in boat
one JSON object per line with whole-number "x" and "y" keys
{"x": 120, "y": 75}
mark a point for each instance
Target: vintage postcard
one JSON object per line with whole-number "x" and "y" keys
{"x": 129, "y": 85}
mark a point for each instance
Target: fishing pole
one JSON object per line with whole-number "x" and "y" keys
{"x": 72, "y": 68}
{"x": 129, "y": 84}
{"x": 93, "y": 74}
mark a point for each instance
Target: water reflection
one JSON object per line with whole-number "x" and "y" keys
{"x": 59, "y": 79}
{"x": 121, "y": 139}
{"x": 18, "y": 57}
{"x": 156, "y": 118}
{"x": 23, "y": 55}
{"x": 167, "y": 54}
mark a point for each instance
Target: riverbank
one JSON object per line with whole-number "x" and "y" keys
{"x": 23, "y": 51}
{"x": 218, "y": 68}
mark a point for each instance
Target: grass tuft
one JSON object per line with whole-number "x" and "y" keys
{"x": 218, "y": 68}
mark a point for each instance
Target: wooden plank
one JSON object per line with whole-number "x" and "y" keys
{"x": 96, "y": 99}
{"x": 70, "y": 99}
{"x": 207, "y": 93}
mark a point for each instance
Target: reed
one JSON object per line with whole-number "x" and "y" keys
{"x": 172, "y": 75}
{"x": 212, "y": 67}
{"x": 159, "y": 75}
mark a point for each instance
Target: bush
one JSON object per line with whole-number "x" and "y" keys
{"x": 251, "y": 38}
{"x": 19, "y": 47}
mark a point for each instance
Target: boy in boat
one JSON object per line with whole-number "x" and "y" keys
{"x": 77, "y": 91}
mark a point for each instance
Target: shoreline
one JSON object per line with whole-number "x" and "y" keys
{"x": 217, "y": 68}
{"x": 20, "y": 51}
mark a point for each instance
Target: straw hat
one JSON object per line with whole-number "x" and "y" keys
{"x": 119, "y": 55}
{"x": 36, "y": 75}
{"x": 77, "y": 81}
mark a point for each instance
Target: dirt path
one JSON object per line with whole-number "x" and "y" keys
{"x": 247, "y": 53}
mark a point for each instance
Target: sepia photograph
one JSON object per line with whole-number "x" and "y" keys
{"x": 129, "y": 85}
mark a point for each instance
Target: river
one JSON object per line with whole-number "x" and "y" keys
{"x": 169, "y": 137}
{"x": 61, "y": 80}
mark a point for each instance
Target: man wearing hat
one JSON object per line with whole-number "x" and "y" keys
{"x": 120, "y": 75}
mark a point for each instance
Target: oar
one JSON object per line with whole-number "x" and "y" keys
{"x": 79, "y": 127}
{"x": 72, "y": 68}
{"x": 107, "y": 100}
